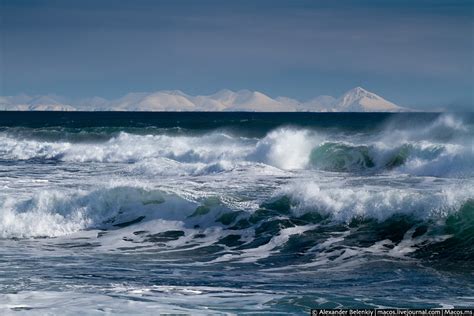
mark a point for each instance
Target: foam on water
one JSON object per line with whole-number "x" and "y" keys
{"x": 377, "y": 202}
{"x": 128, "y": 300}
{"x": 286, "y": 148}
{"x": 51, "y": 213}
{"x": 172, "y": 211}
{"x": 444, "y": 148}
{"x": 417, "y": 151}
{"x": 129, "y": 148}
{"x": 129, "y": 216}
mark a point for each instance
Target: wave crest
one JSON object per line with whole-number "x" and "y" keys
{"x": 52, "y": 213}
{"x": 443, "y": 148}
{"x": 377, "y": 202}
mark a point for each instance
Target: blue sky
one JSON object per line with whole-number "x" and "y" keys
{"x": 414, "y": 53}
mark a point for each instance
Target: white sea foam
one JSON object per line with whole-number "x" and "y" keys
{"x": 54, "y": 213}
{"x": 129, "y": 148}
{"x": 136, "y": 300}
{"x": 46, "y": 214}
{"x": 452, "y": 160}
{"x": 60, "y": 212}
{"x": 443, "y": 148}
{"x": 345, "y": 203}
{"x": 286, "y": 148}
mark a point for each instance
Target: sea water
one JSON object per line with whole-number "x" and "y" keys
{"x": 231, "y": 213}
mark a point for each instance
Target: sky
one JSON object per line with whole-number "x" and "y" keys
{"x": 414, "y": 53}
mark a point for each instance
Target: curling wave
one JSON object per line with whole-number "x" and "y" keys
{"x": 300, "y": 218}
{"x": 284, "y": 148}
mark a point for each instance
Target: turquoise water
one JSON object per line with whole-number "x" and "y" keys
{"x": 231, "y": 213}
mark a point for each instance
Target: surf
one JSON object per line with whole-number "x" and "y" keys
{"x": 442, "y": 148}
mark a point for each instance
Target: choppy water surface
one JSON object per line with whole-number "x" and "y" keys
{"x": 235, "y": 212}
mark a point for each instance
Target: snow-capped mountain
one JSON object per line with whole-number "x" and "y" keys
{"x": 355, "y": 100}
{"x": 157, "y": 101}
{"x": 245, "y": 100}
{"x": 361, "y": 100}
{"x": 36, "y": 103}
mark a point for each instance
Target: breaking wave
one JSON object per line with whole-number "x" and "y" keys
{"x": 299, "y": 193}
{"x": 417, "y": 158}
{"x": 52, "y": 213}
{"x": 444, "y": 148}
{"x": 371, "y": 202}
{"x": 300, "y": 218}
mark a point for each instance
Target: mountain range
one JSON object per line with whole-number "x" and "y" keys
{"x": 354, "y": 100}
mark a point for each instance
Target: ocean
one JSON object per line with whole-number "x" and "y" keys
{"x": 234, "y": 213}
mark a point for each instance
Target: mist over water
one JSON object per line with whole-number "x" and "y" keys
{"x": 243, "y": 211}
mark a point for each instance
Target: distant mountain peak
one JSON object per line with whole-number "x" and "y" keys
{"x": 174, "y": 92}
{"x": 360, "y": 100}
{"x": 358, "y": 90}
